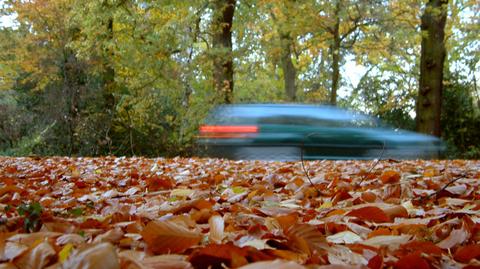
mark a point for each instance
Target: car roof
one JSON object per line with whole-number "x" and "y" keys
{"x": 293, "y": 110}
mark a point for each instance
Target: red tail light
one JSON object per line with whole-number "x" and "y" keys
{"x": 227, "y": 131}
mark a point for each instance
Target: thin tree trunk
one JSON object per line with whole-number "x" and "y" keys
{"x": 222, "y": 48}
{"x": 289, "y": 72}
{"x": 429, "y": 100}
{"x": 335, "y": 51}
{"x": 71, "y": 92}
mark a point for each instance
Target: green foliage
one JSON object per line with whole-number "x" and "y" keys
{"x": 461, "y": 120}
{"x": 77, "y": 212}
{"x": 31, "y": 214}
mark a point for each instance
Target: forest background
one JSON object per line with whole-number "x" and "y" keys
{"x": 119, "y": 77}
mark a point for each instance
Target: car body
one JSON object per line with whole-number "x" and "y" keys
{"x": 297, "y": 131}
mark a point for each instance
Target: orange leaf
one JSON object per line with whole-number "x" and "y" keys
{"x": 305, "y": 238}
{"x": 288, "y": 220}
{"x": 369, "y": 196}
{"x": 278, "y": 264}
{"x": 380, "y": 231}
{"x": 336, "y": 212}
{"x": 412, "y": 260}
{"x": 426, "y": 247}
{"x": 396, "y": 212}
{"x": 213, "y": 256}
{"x": 155, "y": 183}
{"x": 376, "y": 262}
{"x": 466, "y": 253}
{"x": 390, "y": 176}
{"x": 370, "y": 213}
{"x": 10, "y": 188}
{"x": 169, "y": 237}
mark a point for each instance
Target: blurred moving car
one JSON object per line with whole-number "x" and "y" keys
{"x": 292, "y": 131}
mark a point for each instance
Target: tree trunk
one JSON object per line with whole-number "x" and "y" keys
{"x": 109, "y": 87}
{"x": 429, "y": 100}
{"x": 335, "y": 51}
{"x": 289, "y": 72}
{"x": 222, "y": 48}
{"x": 72, "y": 83}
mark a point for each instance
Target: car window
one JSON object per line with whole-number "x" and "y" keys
{"x": 317, "y": 116}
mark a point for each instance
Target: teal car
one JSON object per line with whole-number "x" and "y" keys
{"x": 311, "y": 132}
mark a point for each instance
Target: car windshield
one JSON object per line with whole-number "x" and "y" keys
{"x": 291, "y": 115}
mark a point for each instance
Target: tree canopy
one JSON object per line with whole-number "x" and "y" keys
{"x": 116, "y": 77}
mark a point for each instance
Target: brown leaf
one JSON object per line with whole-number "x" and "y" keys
{"x": 167, "y": 262}
{"x": 155, "y": 183}
{"x": 168, "y": 237}
{"x": 113, "y": 236}
{"x": 390, "y": 176}
{"x": 413, "y": 260}
{"x": 101, "y": 255}
{"x": 426, "y": 247}
{"x": 396, "y": 212}
{"x": 139, "y": 259}
{"x": 466, "y": 253}
{"x": 37, "y": 257}
{"x": 10, "y": 189}
{"x": 7, "y": 266}
{"x": 30, "y": 239}
{"x": 213, "y": 256}
{"x": 369, "y": 213}
{"x": 305, "y": 238}
{"x": 277, "y": 264}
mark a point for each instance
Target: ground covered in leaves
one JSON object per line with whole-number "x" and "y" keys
{"x": 209, "y": 213}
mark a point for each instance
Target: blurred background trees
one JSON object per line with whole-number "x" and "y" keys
{"x": 116, "y": 77}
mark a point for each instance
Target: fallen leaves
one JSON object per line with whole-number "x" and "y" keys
{"x": 139, "y": 213}
{"x": 169, "y": 237}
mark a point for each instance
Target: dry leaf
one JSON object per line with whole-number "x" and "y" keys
{"x": 217, "y": 225}
{"x": 305, "y": 238}
{"x": 168, "y": 237}
{"x": 396, "y": 212}
{"x": 345, "y": 237}
{"x": 214, "y": 256}
{"x": 167, "y": 262}
{"x": 74, "y": 239}
{"x": 112, "y": 236}
{"x": 344, "y": 256}
{"x": 466, "y": 253}
{"x": 456, "y": 237}
{"x": 101, "y": 255}
{"x": 277, "y": 264}
{"x": 7, "y": 266}
{"x": 412, "y": 260}
{"x": 392, "y": 241}
{"x": 37, "y": 257}
{"x": 257, "y": 210}
{"x": 390, "y": 176}
{"x": 369, "y": 213}
{"x": 13, "y": 250}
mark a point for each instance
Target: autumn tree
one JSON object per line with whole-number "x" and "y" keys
{"x": 284, "y": 15}
{"x": 429, "y": 100}
{"x": 223, "y": 12}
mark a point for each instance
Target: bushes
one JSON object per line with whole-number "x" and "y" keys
{"x": 460, "y": 120}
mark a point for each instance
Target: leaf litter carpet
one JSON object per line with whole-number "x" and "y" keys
{"x": 208, "y": 213}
